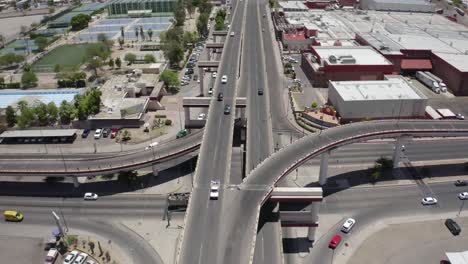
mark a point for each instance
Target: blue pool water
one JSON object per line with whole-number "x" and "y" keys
{"x": 46, "y": 96}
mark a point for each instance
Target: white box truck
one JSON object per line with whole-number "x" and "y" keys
{"x": 428, "y": 81}
{"x": 443, "y": 87}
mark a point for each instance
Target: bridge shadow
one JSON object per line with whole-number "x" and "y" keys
{"x": 101, "y": 187}
{"x": 296, "y": 245}
{"x": 351, "y": 179}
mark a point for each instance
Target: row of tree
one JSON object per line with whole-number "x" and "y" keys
{"x": 48, "y": 114}
{"x": 219, "y": 20}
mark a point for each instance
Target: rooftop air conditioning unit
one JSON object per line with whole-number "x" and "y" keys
{"x": 332, "y": 59}
{"x": 348, "y": 61}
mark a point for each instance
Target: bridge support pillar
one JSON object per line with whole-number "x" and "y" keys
{"x": 314, "y": 213}
{"x": 324, "y": 168}
{"x": 399, "y": 149}
{"x": 187, "y": 115}
{"x": 200, "y": 76}
{"x": 76, "y": 183}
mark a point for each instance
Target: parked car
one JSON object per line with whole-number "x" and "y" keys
{"x": 90, "y": 262}
{"x": 429, "y": 201}
{"x": 51, "y": 256}
{"x": 461, "y": 183}
{"x": 106, "y": 132}
{"x": 453, "y": 227}
{"x": 114, "y": 132}
{"x": 70, "y": 257}
{"x": 98, "y": 133}
{"x": 85, "y": 133}
{"x": 334, "y": 242}
{"x": 189, "y": 71}
{"x": 460, "y": 116}
{"x": 90, "y": 196}
{"x": 224, "y": 79}
{"x": 81, "y": 258}
{"x": 348, "y": 225}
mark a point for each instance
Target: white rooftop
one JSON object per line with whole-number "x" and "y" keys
{"x": 362, "y": 55}
{"x": 292, "y": 5}
{"x": 459, "y": 61}
{"x": 394, "y": 88}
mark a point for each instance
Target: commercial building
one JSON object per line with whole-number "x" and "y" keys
{"x": 140, "y": 8}
{"x": 398, "y": 5}
{"x": 393, "y": 97}
{"x": 339, "y": 63}
{"x": 292, "y": 6}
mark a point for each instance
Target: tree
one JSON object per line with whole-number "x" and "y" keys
{"x": 174, "y": 52}
{"x": 314, "y": 105}
{"x": 142, "y": 33}
{"x": 150, "y": 33}
{"x": 41, "y": 42}
{"x": 190, "y": 7}
{"x": 121, "y": 42}
{"x": 96, "y": 55}
{"x": 94, "y": 64}
{"x": 202, "y": 24}
{"x": 79, "y": 22}
{"x": 52, "y": 112}
{"x": 41, "y": 114}
{"x": 118, "y": 63}
{"x": 57, "y": 68}
{"x": 10, "y": 116}
{"x": 122, "y": 33}
{"x": 65, "y": 112}
{"x": 51, "y": 10}
{"x": 130, "y": 57}
{"x": 149, "y": 58}
{"x": 29, "y": 79}
{"x": 204, "y": 7}
{"x": 179, "y": 13}
{"x": 111, "y": 63}
{"x": 136, "y": 32}
{"x": 170, "y": 78}
{"x": 219, "y": 23}
{"x": 128, "y": 177}
{"x": 102, "y": 38}
{"x": 189, "y": 38}
{"x": 10, "y": 59}
{"x": 26, "y": 118}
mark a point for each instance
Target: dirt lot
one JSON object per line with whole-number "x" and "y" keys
{"x": 21, "y": 250}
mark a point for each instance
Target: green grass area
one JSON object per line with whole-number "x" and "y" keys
{"x": 68, "y": 56}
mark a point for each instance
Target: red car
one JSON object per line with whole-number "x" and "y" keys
{"x": 334, "y": 242}
{"x": 114, "y": 132}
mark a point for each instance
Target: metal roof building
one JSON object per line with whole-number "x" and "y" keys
{"x": 389, "y": 98}
{"x": 399, "y": 5}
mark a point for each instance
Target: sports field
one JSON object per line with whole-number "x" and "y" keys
{"x": 67, "y": 56}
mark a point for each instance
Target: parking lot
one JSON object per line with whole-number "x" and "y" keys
{"x": 424, "y": 242}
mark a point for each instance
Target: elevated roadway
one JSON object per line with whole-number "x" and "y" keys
{"x": 239, "y": 222}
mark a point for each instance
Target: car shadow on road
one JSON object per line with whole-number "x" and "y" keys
{"x": 351, "y": 179}
{"x": 101, "y": 187}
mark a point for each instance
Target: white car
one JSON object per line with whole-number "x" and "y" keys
{"x": 348, "y": 224}
{"x": 210, "y": 91}
{"x": 232, "y": 34}
{"x": 201, "y": 116}
{"x": 70, "y": 257}
{"x": 214, "y": 74}
{"x": 224, "y": 79}
{"x": 429, "y": 201}
{"x": 460, "y": 116}
{"x": 81, "y": 258}
{"x": 214, "y": 190}
{"x": 463, "y": 196}
{"x": 152, "y": 145}
{"x": 90, "y": 196}
{"x": 98, "y": 133}
{"x": 52, "y": 255}
{"x": 90, "y": 262}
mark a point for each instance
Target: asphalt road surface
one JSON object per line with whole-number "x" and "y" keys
{"x": 97, "y": 217}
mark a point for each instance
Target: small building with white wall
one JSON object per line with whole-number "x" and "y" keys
{"x": 392, "y": 97}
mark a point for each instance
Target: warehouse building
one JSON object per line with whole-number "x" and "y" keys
{"x": 393, "y": 97}
{"x": 339, "y": 63}
{"x": 140, "y": 8}
{"x": 398, "y": 5}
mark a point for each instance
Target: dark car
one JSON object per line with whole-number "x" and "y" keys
{"x": 220, "y": 96}
{"x": 106, "y": 132}
{"x": 227, "y": 109}
{"x": 195, "y": 77}
{"x": 260, "y": 92}
{"x": 85, "y": 133}
{"x": 189, "y": 71}
{"x": 453, "y": 227}
{"x": 461, "y": 183}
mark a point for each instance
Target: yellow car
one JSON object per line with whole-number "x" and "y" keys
{"x": 13, "y": 216}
